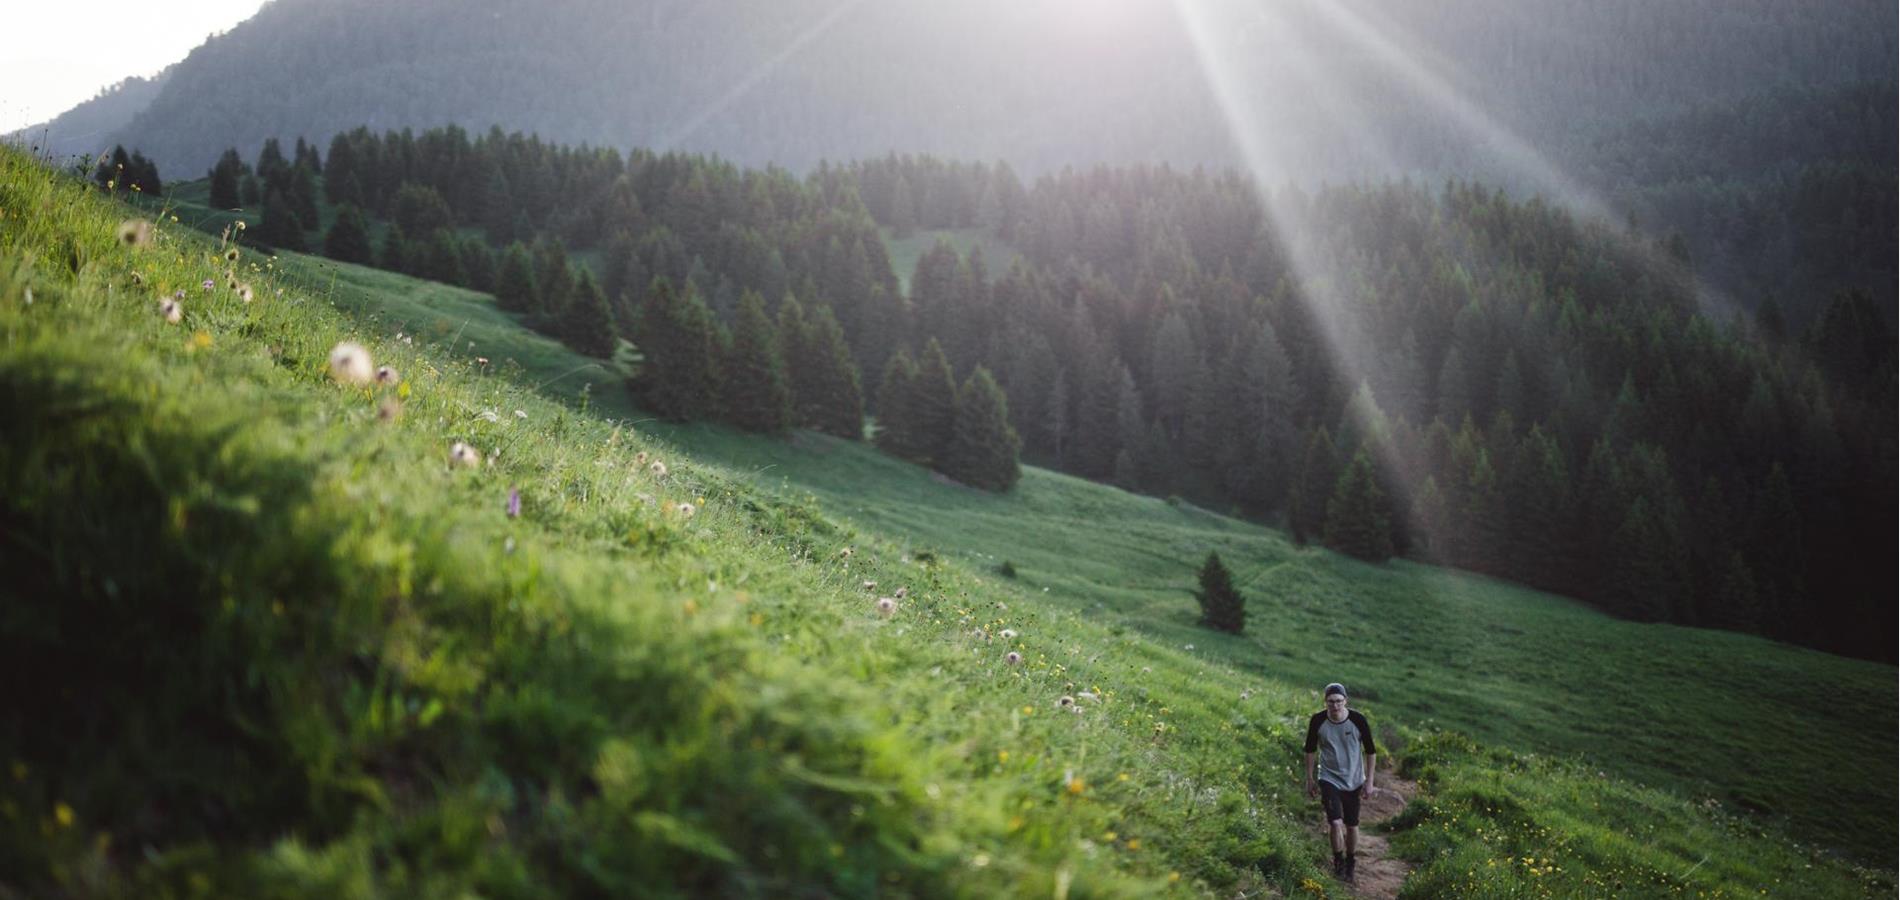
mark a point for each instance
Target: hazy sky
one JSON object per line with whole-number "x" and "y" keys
{"x": 58, "y": 56}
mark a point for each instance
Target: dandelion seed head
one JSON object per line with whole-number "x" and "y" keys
{"x": 463, "y": 455}
{"x": 240, "y": 224}
{"x": 245, "y": 293}
{"x": 389, "y": 410}
{"x": 171, "y": 310}
{"x": 640, "y": 459}
{"x": 686, "y": 510}
{"x": 231, "y": 255}
{"x": 1065, "y": 701}
{"x": 903, "y": 592}
{"x": 658, "y": 469}
{"x": 386, "y": 375}
{"x": 521, "y": 413}
{"x": 886, "y": 607}
{"x": 1009, "y": 634}
{"x": 136, "y": 232}
{"x": 137, "y": 279}
{"x": 1013, "y": 658}
{"x": 350, "y": 364}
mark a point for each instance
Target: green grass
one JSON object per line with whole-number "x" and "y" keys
{"x": 271, "y": 599}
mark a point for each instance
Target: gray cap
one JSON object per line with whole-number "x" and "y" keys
{"x": 1335, "y": 688}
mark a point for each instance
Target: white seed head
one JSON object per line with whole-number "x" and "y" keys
{"x": 245, "y": 293}
{"x": 387, "y": 375}
{"x": 658, "y": 469}
{"x": 463, "y": 455}
{"x": 172, "y": 310}
{"x": 903, "y": 592}
{"x": 1009, "y": 634}
{"x": 1013, "y": 658}
{"x": 1065, "y": 701}
{"x": 350, "y": 364}
{"x": 687, "y": 510}
{"x": 886, "y": 607}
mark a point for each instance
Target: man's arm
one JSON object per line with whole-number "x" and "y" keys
{"x": 1371, "y": 751}
{"x": 1311, "y": 787}
{"x": 1312, "y": 747}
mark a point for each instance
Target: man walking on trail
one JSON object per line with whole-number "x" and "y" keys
{"x": 1340, "y": 741}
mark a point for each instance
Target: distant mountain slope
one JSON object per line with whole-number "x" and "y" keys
{"x": 84, "y": 129}
{"x": 1042, "y": 84}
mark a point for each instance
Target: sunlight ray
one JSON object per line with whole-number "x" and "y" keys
{"x": 759, "y": 73}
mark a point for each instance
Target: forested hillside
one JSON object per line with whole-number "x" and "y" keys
{"x": 1737, "y": 124}
{"x": 1451, "y": 375}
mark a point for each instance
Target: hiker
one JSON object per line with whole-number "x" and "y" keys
{"x": 1340, "y": 741}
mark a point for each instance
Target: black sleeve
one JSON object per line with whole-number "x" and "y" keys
{"x": 1312, "y": 733}
{"x": 1365, "y": 734}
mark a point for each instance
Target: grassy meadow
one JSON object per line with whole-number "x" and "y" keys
{"x": 285, "y": 647}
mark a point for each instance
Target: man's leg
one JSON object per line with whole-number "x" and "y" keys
{"x": 1349, "y": 809}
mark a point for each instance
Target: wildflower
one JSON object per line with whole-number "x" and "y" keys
{"x": 886, "y": 607}
{"x": 846, "y": 553}
{"x": 350, "y": 364}
{"x": 1065, "y": 701}
{"x": 1009, "y": 634}
{"x": 176, "y": 295}
{"x": 63, "y": 814}
{"x": 902, "y": 593}
{"x": 386, "y": 375}
{"x": 135, "y": 232}
{"x": 521, "y": 414}
{"x": 489, "y": 415}
{"x": 240, "y": 224}
{"x": 482, "y": 361}
{"x": 388, "y": 410}
{"x": 172, "y": 310}
{"x": 640, "y": 459}
{"x": 244, "y": 293}
{"x": 1013, "y": 658}
{"x": 514, "y": 503}
{"x": 1076, "y": 784}
{"x": 208, "y": 284}
{"x": 231, "y": 255}
{"x": 463, "y": 455}
{"x": 137, "y": 279}
{"x": 686, "y": 510}
{"x": 658, "y": 469}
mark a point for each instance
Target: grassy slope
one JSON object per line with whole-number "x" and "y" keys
{"x": 1201, "y": 760}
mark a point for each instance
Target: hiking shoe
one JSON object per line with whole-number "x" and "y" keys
{"x": 1347, "y": 870}
{"x": 1339, "y": 867}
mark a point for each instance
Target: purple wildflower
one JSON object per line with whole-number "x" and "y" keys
{"x": 514, "y": 503}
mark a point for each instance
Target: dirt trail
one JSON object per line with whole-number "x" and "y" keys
{"x": 1378, "y": 873}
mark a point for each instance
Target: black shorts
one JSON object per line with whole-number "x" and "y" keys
{"x": 1340, "y": 804}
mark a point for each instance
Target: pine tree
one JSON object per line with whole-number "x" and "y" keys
{"x": 348, "y": 239}
{"x": 679, "y": 379}
{"x": 587, "y": 325}
{"x": 1358, "y": 517}
{"x": 300, "y": 189}
{"x": 1319, "y": 474}
{"x": 1738, "y": 602}
{"x": 896, "y": 433}
{"x": 555, "y": 279}
{"x": 984, "y": 451}
{"x": 1223, "y": 608}
{"x": 756, "y": 397}
{"x": 395, "y": 255}
{"x": 932, "y": 416}
{"x": 439, "y": 258}
{"x": 419, "y": 209}
{"x": 271, "y": 164}
{"x": 838, "y": 406}
{"x": 515, "y": 289}
{"x": 478, "y": 265}
{"x": 280, "y": 228}
{"x": 224, "y": 180}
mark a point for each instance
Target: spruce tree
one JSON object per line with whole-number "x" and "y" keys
{"x": 838, "y": 408}
{"x": 1358, "y": 517}
{"x": 1319, "y": 474}
{"x": 348, "y": 239}
{"x": 225, "y": 177}
{"x": 1223, "y": 608}
{"x": 515, "y": 289}
{"x": 896, "y": 434}
{"x": 280, "y": 228}
{"x": 395, "y": 254}
{"x": 933, "y": 412}
{"x": 756, "y": 397}
{"x": 984, "y": 451}
{"x": 679, "y": 379}
{"x": 587, "y": 324}
{"x": 478, "y": 265}
{"x": 439, "y": 258}
{"x": 300, "y": 189}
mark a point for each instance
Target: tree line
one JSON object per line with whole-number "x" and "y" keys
{"x": 1476, "y": 379}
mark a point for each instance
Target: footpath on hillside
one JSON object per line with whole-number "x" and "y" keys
{"x": 1379, "y": 874}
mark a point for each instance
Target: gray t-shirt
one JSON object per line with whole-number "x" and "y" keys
{"x": 1342, "y": 748}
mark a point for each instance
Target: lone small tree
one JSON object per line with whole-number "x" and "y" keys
{"x": 1222, "y": 606}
